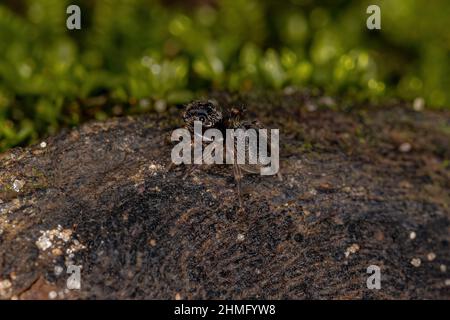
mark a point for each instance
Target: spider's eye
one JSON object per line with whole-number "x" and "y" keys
{"x": 202, "y": 118}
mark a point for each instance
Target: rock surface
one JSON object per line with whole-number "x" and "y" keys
{"x": 365, "y": 187}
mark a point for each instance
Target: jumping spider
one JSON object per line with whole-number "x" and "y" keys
{"x": 213, "y": 116}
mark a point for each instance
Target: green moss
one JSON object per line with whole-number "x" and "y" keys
{"x": 141, "y": 49}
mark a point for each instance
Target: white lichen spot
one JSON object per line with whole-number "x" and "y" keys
{"x": 44, "y": 242}
{"x": 240, "y": 237}
{"x": 18, "y": 185}
{"x": 5, "y": 288}
{"x": 52, "y": 294}
{"x": 431, "y": 256}
{"x": 154, "y": 168}
{"x": 416, "y": 262}
{"x": 351, "y": 250}
{"x": 43, "y": 144}
{"x": 58, "y": 270}
{"x": 443, "y": 268}
{"x": 412, "y": 235}
{"x": 60, "y": 240}
{"x": 5, "y": 284}
{"x": 405, "y": 147}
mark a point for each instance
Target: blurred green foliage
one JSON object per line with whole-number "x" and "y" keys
{"x": 143, "y": 54}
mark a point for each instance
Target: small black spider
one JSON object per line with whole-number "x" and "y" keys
{"x": 213, "y": 116}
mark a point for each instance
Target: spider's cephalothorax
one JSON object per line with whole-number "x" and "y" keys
{"x": 204, "y": 111}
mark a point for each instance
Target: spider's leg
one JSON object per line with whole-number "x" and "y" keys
{"x": 279, "y": 176}
{"x": 170, "y": 166}
{"x": 189, "y": 171}
{"x": 192, "y": 168}
{"x": 238, "y": 177}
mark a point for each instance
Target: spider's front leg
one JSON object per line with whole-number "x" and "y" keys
{"x": 237, "y": 178}
{"x": 189, "y": 171}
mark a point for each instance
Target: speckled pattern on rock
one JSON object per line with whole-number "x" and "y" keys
{"x": 100, "y": 197}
